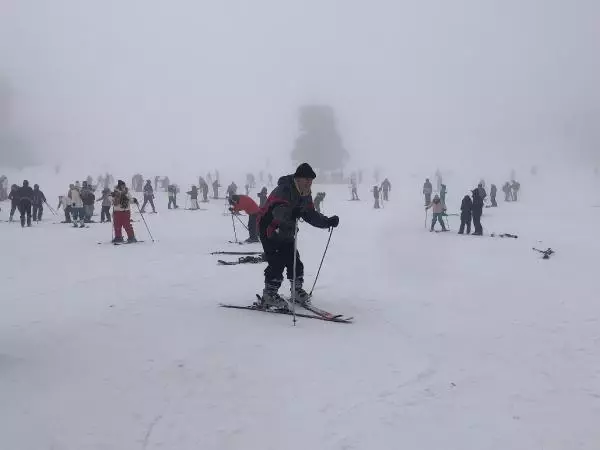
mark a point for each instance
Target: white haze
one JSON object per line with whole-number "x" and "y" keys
{"x": 160, "y": 86}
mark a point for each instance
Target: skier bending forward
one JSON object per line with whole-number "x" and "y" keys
{"x": 289, "y": 201}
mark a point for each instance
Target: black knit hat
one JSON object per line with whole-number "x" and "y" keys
{"x": 305, "y": 171}
{"x": 120, "y": 183}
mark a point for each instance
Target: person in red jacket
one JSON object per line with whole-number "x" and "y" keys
{"x": 249, "y": 206}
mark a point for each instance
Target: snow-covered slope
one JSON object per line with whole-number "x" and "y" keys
{"x": 458, "y": 342}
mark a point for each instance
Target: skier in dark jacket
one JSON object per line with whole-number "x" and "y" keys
{"x": 466, "y": 208}
{"x": 262, "y": 195}
{"x": 38, "y": 201}
{"x": 477, "y": 212}
{"x": 507, "y": 192}
{"x": 25, "y": 195}
{"x": 493, "y": 192}
{"x": 203, "y": 185}
{"x": 148, "y": 196}
{"x": 289, "y": 201}
{"x": 14, "y": 201}
{"x": 386, "y": 187}
{"x": 216, "y": 187}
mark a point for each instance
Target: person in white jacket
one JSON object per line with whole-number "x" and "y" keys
{"x": 76, "y": 203}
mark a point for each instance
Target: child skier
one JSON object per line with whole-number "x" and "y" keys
{"x": 465, "y": 214}
{"x": 438, "y": 209}
{"x": 194, "y": 198}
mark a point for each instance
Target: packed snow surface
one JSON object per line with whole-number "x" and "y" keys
{"x": 458, "y": 342}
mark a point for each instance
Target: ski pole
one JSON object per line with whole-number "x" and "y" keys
{"x": 50, "y": 208}
{"x": 243, "y": 224}
{"x": 234, "y": 232}
{"x": 145, "y": 223}
{"x": 320, "y": 265}
{"x": 425, "y": 217}
{"x": 293, "y": 299}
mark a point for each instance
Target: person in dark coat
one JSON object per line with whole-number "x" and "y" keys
{"x": 466, "y": 208}
{"x": 148, "y": 196}
{"x": 477, "y": 211}
{"x": 507, "y": 192}
{"x": 25, "y": 195}
{"x": 216, "y": 187}
{"x": 493, "y": 192}
{"x": 262, "y": 195}
{"x": 14, "y": 201}
{"x": 427, "y": 190}
{"x": 38, "y": 201}
{"x": 277, "y": 220}
{"x": 386, "y": 187}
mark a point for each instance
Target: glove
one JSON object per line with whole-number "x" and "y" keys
{"x": 231, "y": 209}
{"x": 135, "y": 201}
{"x": 333, "y": 221}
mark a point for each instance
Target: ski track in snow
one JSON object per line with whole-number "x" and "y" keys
{"x": 459, "y": 342}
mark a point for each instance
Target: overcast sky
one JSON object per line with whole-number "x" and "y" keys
{"x": 213, "y": 83}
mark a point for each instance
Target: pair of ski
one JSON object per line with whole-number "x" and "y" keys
{"x": 242, "y": 260}
{"x": 121, "y": 243}
{"x": 318, "y": 313}
{"x": 547, "y": 253}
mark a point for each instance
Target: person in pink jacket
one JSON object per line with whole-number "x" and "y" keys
{"x": 438, "y": 208}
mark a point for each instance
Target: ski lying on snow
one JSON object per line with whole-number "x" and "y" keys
{"x": 318, "y": 311}
{"x": 120, "y": 243}
{"x": 286, "y": 312}
{"x": 236, "y": 253}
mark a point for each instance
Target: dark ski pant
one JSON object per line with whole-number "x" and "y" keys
{"x": 494, "y": 203}
{"x": 252, "y": 227}
{"x": 25, "y": 210}
{"x": 38, "y": 210}
{"x": 354, "y": 194}
{"x": 279, "y": 256}
{"x": 385, "y": 195}
{"x": 438, "y": 217}
{"x": 477, "y": 223}
{"x": 376, "y": 206}
{"x": 172, "y": 201}
{"x": 148, "y": 199}
{"x": 514, "y": 196}
{"x": 205, "y": 195}
{"x": 67, "y": 214}
{"x": 13, "y": 208}
{"x": 427, "y": 199}
{"x": 105, "y": 214}
{"x": 122, "y": 219}
{"x": 465, "y": 220}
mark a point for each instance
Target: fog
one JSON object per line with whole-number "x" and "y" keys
{"x": 157, "y": 85}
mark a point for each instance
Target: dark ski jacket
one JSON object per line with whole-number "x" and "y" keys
{"x": 477, "y": 203}
{"x": 493, "y": 191}
{"x": 386, "y": 185}
{"x": 87, "y": 196}
{"x": 276, "y": 219}
{"x": 148, "y": 191}
{"x": 25, "y": 194}
{"x": 13, "y": 196}
{"x": 466, "y": 206}
{"x": 38, "y": 197}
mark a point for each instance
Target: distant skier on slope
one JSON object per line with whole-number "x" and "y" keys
{"x": 262, "y": 195}
{"x": 438, "y": 209}
{"x": 13, "y": 196}
{"x": 148, "y": 196}
{"x": 477, "y": 211}
{"x": 289, "y": 201}
{"x": 386, "y": 188}
{"x": 25, "y": 195}
{"x": 493, "y": 193}
{"x": 427, "y": 190}
{"x": 466, "y": 208}
{"x": 38, "y": 201}
{"x": 318, "y": 200}
{"x": 122, "y": 213}
{"x": 193, "y": 198}
{"x": 245, "y": 203}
